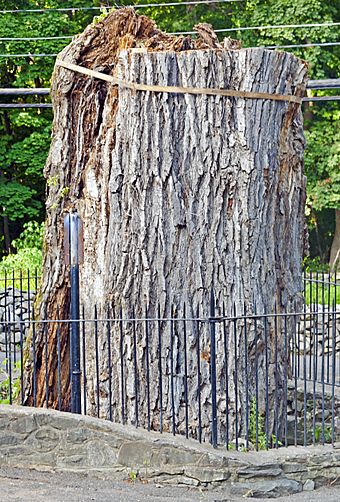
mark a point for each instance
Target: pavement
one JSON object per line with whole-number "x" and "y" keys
{"x": 25, "y": 485}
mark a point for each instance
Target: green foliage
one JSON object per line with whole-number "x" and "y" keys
{"x": 31, "y": 237}
{"x": 24, "y": 259}
{"x": 259, "y": 427}
{"x": 323, "y": 161}
{"x": 315, "y": 265}
{"x": 28, "y": 255}
{"x": 18, "y": 201}
{"x": 133, "y": 476}
{"x": 102, "y": 16}
{"x": 256, "y": 425}
{"x": 24, "y": 135}
{"x": 319, "y": 294}
{"x": 327, "y": 434}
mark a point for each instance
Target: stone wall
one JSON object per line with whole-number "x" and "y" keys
{"x": 318, "y": 324}
{"x": 318, "y": 412}
{"x": 19, "y": 303}
{"x": 47, "y": 439}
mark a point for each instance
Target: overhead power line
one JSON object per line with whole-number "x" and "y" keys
{"x": 25, "y": 105}
{"x": 18, "y": 39}
{"x": 267, "y": 27}
{"x": 37, "y": 91}
{"x": 68, "y": 37}
{"x": 290, "y": 46}
{"x": 103, "y": 7}
{"x": 321, "y": 98}
{"x": 217, "y": 30}
{"x": 332, "y": 83}
{"x": 294, "y": 46}
{"x": 48, "y": 105}
{"x": 28, "y": 55}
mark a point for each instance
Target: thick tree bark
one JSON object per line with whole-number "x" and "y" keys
{"x": 178, "y": 194}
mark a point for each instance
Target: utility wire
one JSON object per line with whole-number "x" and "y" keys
{"x": 294, "y": 46}
{"x": 48, "y": 105}
{"x": 331, "y": 83}
{"x": 321, "y": 98}
{"x": 141, "y": 6}
{"x": 17, "y": 39}
{"x": 267, "y": 27}
{"x": 218, "y": 30}
{"x": 17, "y": 91}
{"x": 290, "y": 46}
{"x": 28, "y": 55}
{"x": 25, "y": 105}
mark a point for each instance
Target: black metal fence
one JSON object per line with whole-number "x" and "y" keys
{"x": 254, "y": 380}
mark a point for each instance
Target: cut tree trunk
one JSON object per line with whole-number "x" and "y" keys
{"x": 178, "y": 194}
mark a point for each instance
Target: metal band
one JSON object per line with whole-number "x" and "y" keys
{"x": 178, "y": 90}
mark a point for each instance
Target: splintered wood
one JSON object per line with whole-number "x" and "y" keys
{"x": 178, "y": 193}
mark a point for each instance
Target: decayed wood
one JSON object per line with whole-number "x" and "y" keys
{"x": 178, "y": 194}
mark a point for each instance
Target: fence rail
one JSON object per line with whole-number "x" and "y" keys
{"x": 249, "y": 380}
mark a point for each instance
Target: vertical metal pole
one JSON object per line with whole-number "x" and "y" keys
{"x": 185, "y": 374}
{"x": 172, "y": 388}
{"x": 59, "y": 359}
{"x": 226, "y": 370}
{"x": 198, "y": 353}
{"x": 72, "y": 225}
{"x": 160, "y": 381}
{"x": 265, "y": 321}
{"x": 147, "y": 367}
{"x": 235, "y": 377}
{"x": 213, "y": 371}
{"x": 246, "y": 374}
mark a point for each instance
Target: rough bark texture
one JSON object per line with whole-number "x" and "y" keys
{"x": 178, "y": 194}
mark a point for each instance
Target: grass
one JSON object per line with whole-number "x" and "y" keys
{"x": 323, "y": 291}
{"x": 23, "y": 280}
{"x": 317, "y": 290}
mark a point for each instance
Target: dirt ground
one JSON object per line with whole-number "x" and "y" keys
{"x": 24, "y": 485}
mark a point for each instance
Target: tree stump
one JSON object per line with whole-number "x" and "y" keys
{"x": 178, "y": 194}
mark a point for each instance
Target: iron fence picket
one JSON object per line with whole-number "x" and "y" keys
{"x": 83, "y": 359}
{"x": 186, "y": 404}
{"x": 10, "y": 355}
{"x": 198, "y": 355}
{"x": 160, "y": 379}
{"x": 109, "y": 362}
{"x": 276, "y": 400}
{"x": 310, "y": 357}
{"x": 226, "y": 372}
{"x": 147, "y": 370}
{"x": 59, "y": 364}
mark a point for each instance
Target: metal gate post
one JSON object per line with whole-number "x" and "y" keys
{"x": 73, "y": 246}
{"x": 212, "y": 321}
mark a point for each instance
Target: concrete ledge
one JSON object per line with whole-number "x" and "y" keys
{"x": 48, "y": 439}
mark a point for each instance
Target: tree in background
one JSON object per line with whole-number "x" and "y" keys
{"x": 322, "y": 158}
{"x": 24, "y": 135}
{"x": 323, "y": 169}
